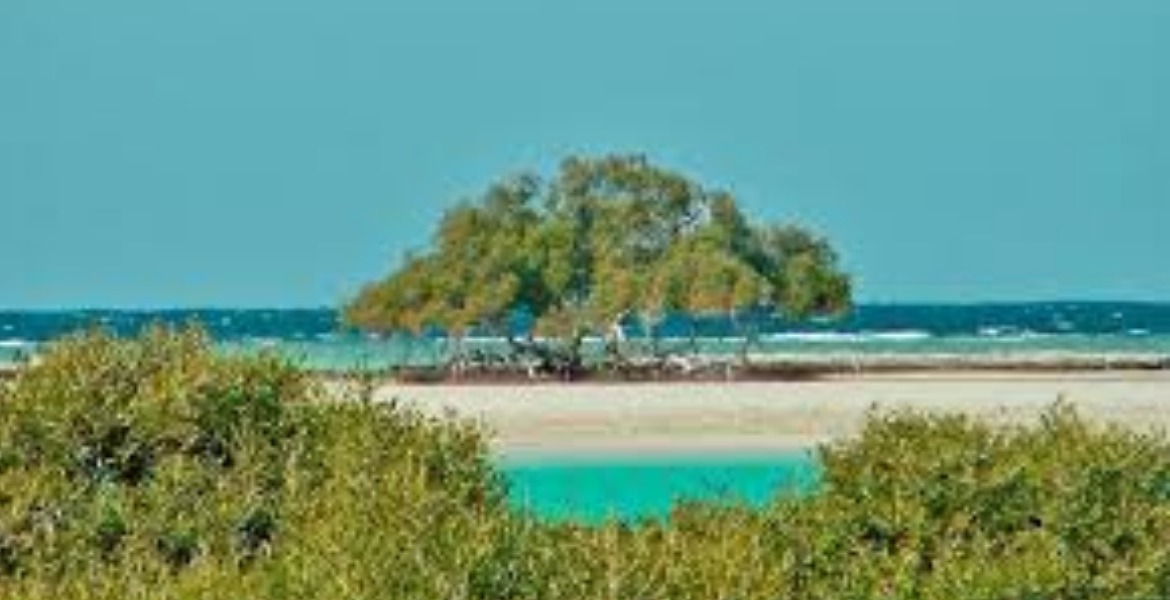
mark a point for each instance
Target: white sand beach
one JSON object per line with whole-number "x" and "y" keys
{"x": 701, "y": 418}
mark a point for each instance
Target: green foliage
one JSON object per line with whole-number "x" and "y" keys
{"x": 606, "y": 239}
{"x": 153, "y": 468}
{"x": 940, "y": 507}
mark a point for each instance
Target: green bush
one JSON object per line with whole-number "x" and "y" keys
{"x": 942, "y": 507}
{"x": 155, "y": 468}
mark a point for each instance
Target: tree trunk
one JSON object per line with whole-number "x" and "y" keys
{"x": 650, "y": 329}
{"x": 407, "y": 352}
{"x": 574, "y": 361}
{"x": 458, "y": 360}
{"x": 746, "y": 331}
{"x": 694, "y": 323}
{"x": 614, "y": 337}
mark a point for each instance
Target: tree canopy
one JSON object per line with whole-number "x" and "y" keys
{"x": 606, "y": 239}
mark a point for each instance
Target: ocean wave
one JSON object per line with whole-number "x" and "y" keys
{"x": 839, "y": 337}
{"x": 909, "y": 335}
{"x": 1009, "y": 333}
{"x": 264, "y": 342}
{"x": 484, "y": 339}
{"x": 813, "y": 337}
{"x": 17, "y": 344}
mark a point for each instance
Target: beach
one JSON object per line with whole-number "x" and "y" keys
{"x": 678, "y": 418}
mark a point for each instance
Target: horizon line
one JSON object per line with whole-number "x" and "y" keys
{"x": 335, "y": 308}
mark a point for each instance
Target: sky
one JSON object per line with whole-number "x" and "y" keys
{"x": 279, "y": 153}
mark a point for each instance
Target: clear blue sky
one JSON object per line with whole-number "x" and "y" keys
{"x": 281, "y": 152}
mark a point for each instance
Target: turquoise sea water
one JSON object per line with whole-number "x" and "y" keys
{"x": 632, "y": 487}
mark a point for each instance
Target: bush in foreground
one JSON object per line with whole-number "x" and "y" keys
{"x": 154, "y": 468}
{"x": 942, "y": 507}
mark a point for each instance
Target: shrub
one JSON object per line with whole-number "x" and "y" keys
{"x": 942, "y": 507}
{"x": 156, "y": 468}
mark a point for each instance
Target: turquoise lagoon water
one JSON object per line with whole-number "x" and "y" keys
{"x": 631, "y": 488}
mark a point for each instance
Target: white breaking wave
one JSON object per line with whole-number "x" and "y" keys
{"x": 837, "y": 337}
{"x": 910, "y": 335}
{"x": 485, "y": 339}
{"x": 1008, "y": 333}
{"x": 16, "y": 343}
{"x": 814, "y": 337}
{"x": 264, "y": 342}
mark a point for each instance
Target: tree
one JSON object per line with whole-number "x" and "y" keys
{"x": 606, "y": 240}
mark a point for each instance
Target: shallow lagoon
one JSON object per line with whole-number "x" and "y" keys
{"x": 592, "y": 489}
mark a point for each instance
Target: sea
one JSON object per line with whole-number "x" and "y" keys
{"x": 316, "y": 338}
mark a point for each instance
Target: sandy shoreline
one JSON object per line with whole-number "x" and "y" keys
{"x": 531, "y": 421}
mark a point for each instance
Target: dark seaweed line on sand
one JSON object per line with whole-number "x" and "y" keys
{"x": 775, "y": 369}
{"x": 781, "y": 369}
